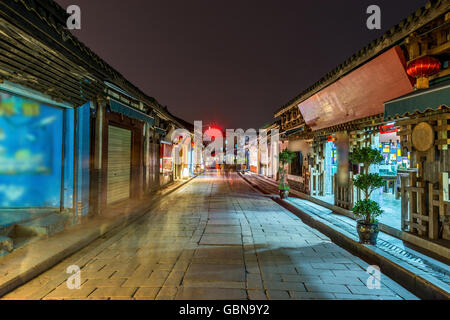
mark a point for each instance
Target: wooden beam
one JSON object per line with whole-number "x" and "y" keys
{"x": 404, "y": 202}
{"x": 433, "y": 215}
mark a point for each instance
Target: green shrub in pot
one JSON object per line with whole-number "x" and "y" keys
{"x": 366, "y": 209}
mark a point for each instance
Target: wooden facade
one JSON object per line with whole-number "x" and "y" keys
{"x": 135, "y": 129}
{"x": 427, "y": 190}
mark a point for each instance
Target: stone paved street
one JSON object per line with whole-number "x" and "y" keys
{"x": 215, "y": 238}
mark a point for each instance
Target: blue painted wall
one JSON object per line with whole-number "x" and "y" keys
{"x": 30, "y": 153}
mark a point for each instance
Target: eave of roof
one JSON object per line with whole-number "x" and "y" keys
{"x": 53, "y": 16}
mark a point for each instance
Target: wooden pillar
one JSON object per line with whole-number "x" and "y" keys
{"x": 137, "y": 160}
{"x": 421, "y": 208}
{"x": 433, "y": 214}
{"x": 336, "y": 190}
{"x": 404, "y": 203}
{"x": 343, "y": 173}
{"x": 444, "y": 204}
{"x": 97, "y": 172}
{"x": 412, "y": 200}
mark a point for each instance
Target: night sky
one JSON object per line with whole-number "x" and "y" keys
{"x": 231, "y": 62}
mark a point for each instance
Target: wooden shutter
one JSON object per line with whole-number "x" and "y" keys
{"x": 119, "y": 164}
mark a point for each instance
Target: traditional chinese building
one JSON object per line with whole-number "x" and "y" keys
{"x": 76, "y": 137}
{"x": 392, "y": 95}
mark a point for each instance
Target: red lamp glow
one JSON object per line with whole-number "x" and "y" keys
{"x": 390, "y": 128}
{"x": 422, "y": 68}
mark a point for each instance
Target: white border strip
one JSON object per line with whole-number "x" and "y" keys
{"x": 32, "y": 94}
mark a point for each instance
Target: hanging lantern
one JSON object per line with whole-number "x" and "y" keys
{"x": 422, "y": 69}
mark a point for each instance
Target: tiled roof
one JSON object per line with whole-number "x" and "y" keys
{"x": 434, "y": 98}
{"x": 396, "y": 34}
{"x": 54, "y": 16}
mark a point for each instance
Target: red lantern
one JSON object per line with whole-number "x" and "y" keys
{"x": 422, "y": 68}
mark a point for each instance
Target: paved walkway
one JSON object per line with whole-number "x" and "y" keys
{"x": 215, "y": 238}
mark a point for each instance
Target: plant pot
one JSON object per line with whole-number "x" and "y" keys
{"x": 284, "y": 194}
{"x": 368, "y": 232}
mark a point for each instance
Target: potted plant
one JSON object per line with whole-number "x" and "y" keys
{"x": 367, "y": 210}
{"x": 285, "y": 158}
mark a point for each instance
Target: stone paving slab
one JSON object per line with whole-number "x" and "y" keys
{"x": 215, "y": 272}
{"x": 221, "y": 239}
{"x": 425, "y": 275}
{"x": 255, "y": 249}
{"x": 27, "y": 262}
{"x": 224, "y": 222}
{"x": 223, "y": 229}
{"x": 186, "y": 293}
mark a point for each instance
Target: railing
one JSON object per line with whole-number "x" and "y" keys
{"x": 424, "y": 205}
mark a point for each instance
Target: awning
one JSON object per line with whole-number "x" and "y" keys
{"x": 130, "y": 112}
{"x": 359, "y": 94}
{"x": 419, "y": 101}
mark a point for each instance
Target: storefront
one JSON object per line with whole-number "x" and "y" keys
{"x": 123, "y": 142}
{"x": 391, "y": 148}
{"x": 166, "y": 163}
{"x": 263, "y": 156}
{"x": 395, "y": 164}
{"x": 423, "y": 119}
{"x": 187, "y": 161}
{"x": 119, "y": 164}
{"x": 296, "y": 171}
{"x": 331, "y": 168}
{"x": 182, "y": 158}
{"x": 273, "y": 153}
{"x": 151, "y": 163}
{"x": 254, "y": 160}
{"x": 44, "y": 155}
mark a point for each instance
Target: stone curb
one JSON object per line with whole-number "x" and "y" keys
{"x": 10, "y": 283}
{"x": 426, "y": 245}
{"x": 414, "y": 283}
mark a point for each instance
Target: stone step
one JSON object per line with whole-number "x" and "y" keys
{"x": 6, "y": 244}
